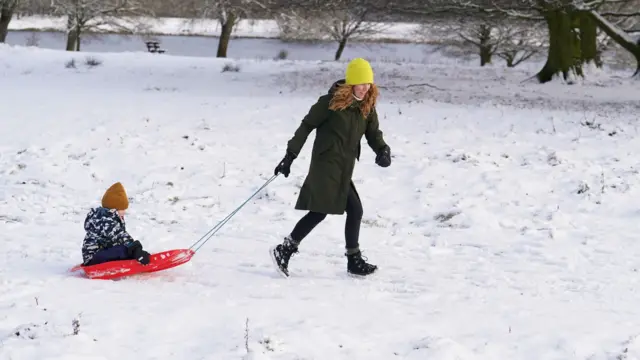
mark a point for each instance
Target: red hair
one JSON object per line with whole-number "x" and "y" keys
{"x": 343, "y": 98}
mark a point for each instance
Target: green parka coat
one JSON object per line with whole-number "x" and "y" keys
{"x": 335, "y": 150}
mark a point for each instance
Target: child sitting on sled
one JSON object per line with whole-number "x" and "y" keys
{"x": 106, "y": 238}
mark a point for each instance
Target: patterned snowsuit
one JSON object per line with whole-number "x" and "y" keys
{"x": 104, "y": 231}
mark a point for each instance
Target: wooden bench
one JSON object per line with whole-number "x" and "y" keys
{"x": 154, "y": 47}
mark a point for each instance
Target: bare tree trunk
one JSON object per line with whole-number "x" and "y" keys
{"x": 486, "y": 50}
{"x": 564, "y": 47}
{"x": 619, "y": 37}
{"x": 73, "y": 40}
{"x": 6, "y": 13}
{"x": 485, "y": 56}
{"x": 588, "y": 42}
{"x": 341, "y": 45}
{"x": 510, "y": 60}
{"x": 225, "y": 34}
{"x": 72, "y": 33}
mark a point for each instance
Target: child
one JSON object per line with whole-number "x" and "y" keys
{"x": 106, "y": 238}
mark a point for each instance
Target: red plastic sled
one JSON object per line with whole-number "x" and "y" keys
{"x": 121, "y": 268}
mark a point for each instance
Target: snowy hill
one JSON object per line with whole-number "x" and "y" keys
{"x": 506, "y": 228}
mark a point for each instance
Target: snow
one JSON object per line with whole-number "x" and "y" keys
{"x": 505, "y": 228}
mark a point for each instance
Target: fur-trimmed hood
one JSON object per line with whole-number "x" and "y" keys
{"x": 335, "y": 86}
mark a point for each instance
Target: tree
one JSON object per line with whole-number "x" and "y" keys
{"x": 616, "y": 19}
{"x": 572, "y": 32}
{"x": 7, "y": 8}
{"x": 33, "y": 7}
{"x": 293, "y": 25}
{"x": 337, "y": 20}
{"x": 619, "y": 36}
{"x": 568, "y": 36}
{"x": 346, "y": 20}
{"x": 514, "y": 41}
{"x": 520, "y": 46}
{"x": 480, "y": 36}
{"x": 227, "y": 12}
{"x": 98, "y": 15}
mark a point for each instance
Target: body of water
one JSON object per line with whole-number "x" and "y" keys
{"x": 248, "y": 48}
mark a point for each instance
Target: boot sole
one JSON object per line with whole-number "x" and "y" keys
{"x": 275, "y": 262}
{"x": 361, "y": 276}
{"x": 358, "y": 276}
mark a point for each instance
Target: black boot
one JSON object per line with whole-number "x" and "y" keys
{"x": 356, "y": 265}
{"x": 281, "y": 254}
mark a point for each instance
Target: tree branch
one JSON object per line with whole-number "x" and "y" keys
{"x": 620, "y": 15}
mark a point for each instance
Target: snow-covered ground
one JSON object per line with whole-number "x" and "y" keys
{"x": 506, "y": 227}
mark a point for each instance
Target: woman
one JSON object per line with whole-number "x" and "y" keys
{"x": 340, "y": 119}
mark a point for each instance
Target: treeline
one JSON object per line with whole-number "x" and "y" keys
{"x": 572, "y": 33}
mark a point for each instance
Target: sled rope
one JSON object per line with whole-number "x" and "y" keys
{"x": 206, "y": 237}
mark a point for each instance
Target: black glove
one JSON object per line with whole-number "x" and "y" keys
{"x": 144, "y": 258}
{"x": 284, "y": 166}
{"x": 383, "y": 157}
{"x": 135, "y": 252}
{"x": 133, "y": 248}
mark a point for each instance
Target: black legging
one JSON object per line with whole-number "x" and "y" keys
{"x": 351, "y": 227}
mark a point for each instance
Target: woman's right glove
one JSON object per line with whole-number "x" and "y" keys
{"x": 383, "y": 157}
{"x": 284, "y": 166}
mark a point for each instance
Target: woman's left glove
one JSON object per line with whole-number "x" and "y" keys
{"x": 383, "y": 157}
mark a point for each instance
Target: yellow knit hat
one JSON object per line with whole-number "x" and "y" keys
{"x": 115, "y": 198}
{"x": 359, "y": 72}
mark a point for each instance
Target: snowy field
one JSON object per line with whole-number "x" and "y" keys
{"x": 506, "y": 227}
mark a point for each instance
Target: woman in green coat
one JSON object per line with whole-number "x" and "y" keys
{"x": 340, "y": 119}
